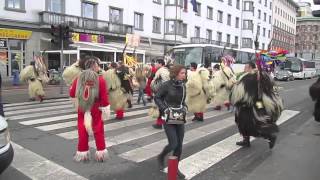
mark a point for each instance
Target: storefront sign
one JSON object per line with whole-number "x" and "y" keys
{"x": 15, "y": 34}
{"x": 76, "y": 37}
{"x": 3, "y": 43}
{"x": 133, "y": 40}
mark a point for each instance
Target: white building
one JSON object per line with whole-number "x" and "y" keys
{"x": 230, "y": 23}
{"x": 284, "y": 25}
{"x": 256, "y": 18}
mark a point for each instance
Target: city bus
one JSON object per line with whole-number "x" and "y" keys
{"x": 301, "y": 68}
{"x": 208, "y": 55}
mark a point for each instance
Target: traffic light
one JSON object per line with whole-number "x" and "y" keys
{"x": 56, "y": 34}
{"x": 67, "y": 35}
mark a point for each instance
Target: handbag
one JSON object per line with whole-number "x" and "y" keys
{"x": 176, "y": 115}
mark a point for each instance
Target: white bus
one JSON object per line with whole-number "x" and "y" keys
{"x": 301, "y": 68}
{"x": 208, "y": 55}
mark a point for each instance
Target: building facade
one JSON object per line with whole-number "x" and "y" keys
{"x": 256, "y": 23}
{"x": 284, "y": 25}
{"x": 308, "y": 36}
{"x": 304, "y": 9}
{"x": 161, "y": 24}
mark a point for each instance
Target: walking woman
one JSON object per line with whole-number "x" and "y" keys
{"x": 170, "y": 99}
{"x": 142, "y": 80}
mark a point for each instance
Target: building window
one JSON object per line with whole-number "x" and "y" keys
{"x": 237, "y": 22}
{"x": 89, "y": 10}
{"x": 157, "y": 1}
{"x": 269, "y": 33}
{"x": 209, "y": 34}
{"x": 269, "y": 19}
{"x": 184, "y": 29}
{"x": 156, "y": 25}
{"x": 259, "y": 14}
{"x": 230, "y": 2}
{"x": 276, "y": 9}
{"x": 56, "y": 6}
{"x": 263, "y": 46}
{"x": 220, "y": 17}
{"x": 260, "y": 1}
{"x": 219, "y": 36}
{"x": 248, "y": 6}
{"x": 170, "y": 27}
{"x": 270, "y": 6}
{"x": 264, "y": 32}
{"x": 228, "y": 38}
{"x": 199, "y": 9}
{"x": 265, "y": 17}
{"x": 258, "y": 30}
{"x": 138, "y": 21}
{"x": 15, "y": 5}
{"x": 229, "y": 20}
{"x": 116, "y": 15}
{"x": 209, "y": 12}
{"x": 266, "y": 3}
{"x": 197, "y": 31}
{"x": 238, "y": 4}
{"x": 247, "y": 25}
{"x": 236, "y": 40}
{"x": 246, "y": 43}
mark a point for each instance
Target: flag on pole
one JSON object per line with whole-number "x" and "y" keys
{"x": 194, "y": 4}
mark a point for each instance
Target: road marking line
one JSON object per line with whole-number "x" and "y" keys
{"x": 37, "y": 167}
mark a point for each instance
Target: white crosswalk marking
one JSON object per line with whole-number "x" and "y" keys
{"x": 59, "y": 117}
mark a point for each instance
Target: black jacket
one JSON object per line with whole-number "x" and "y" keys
{"x": 170, "y": 94}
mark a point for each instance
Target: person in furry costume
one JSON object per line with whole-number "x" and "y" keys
{"x": 71, "y": 72}
{"x": 150, "y": 75}
{"x": 223, "y": 81}
{"x": 118, "y": 99}
{"x": 314, "y": 92}
{"x": 162, "y": 75}
{"x": 124, "y": 74}
{"x": 258, "y": 107}
{"x": 91, "y": 91}
{"x": 200, "y": 88}
{"x": 30, "y": 74}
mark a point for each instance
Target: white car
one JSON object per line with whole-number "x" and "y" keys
{"x": 6, "y": 150}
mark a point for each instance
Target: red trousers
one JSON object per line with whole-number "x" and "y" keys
{"x": 97, "y": 128}
{"x": 119, "y": 114}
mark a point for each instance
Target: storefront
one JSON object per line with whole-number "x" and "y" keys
{"x": 12, "y": 50}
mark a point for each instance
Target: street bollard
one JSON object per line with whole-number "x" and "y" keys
{"x": 172, "y": 167}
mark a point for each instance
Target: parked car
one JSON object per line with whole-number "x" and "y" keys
{"x": 6, "y": 150}
{"x": 284, "y": 74}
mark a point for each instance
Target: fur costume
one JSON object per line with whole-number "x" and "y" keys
{"x": 223, "y": 81}
{"x": 41, "y": 69}
{"x": 71, "y": 72}
{"x": 29, "y": 74}
{"x": 91, "y": 91}
{"x": 314, "y": 92}
{"x": 116, "y": 96}
{"x": 199, "y": 90}
{"x": 258, "y": 106}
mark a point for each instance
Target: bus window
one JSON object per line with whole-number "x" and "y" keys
{"x": 185, "y": 56}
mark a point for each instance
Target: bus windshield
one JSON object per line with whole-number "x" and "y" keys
{"x": 295, "y": 64}
{"x": 185, "y": 56}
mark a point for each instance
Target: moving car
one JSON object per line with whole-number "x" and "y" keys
{"x": 6, "y": 150}
{"x": 284, "y": 74}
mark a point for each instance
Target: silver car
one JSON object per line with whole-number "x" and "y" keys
{"x": 6, "y": 150}
{"x": 284, "y": 74}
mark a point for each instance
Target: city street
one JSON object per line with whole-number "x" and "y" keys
{"x": 44, "y": 137}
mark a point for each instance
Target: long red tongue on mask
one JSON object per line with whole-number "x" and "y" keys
{"x": 86, "y": 93}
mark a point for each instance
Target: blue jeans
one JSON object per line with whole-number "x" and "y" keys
{"x": 15, "y": 74}
{"x": 141, "y": 96}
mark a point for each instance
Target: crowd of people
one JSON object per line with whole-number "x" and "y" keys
{"x": 174, "y": 91}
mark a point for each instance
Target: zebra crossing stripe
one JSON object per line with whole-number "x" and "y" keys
{"x": 34, "y": 102}
{"x": 138, "y": 134}
{"x": 151, "y": 150}
{"x": 40, "y": 109}
{"x": 40, "y": 114}
{"x": 50, "y": 119}
{"x": 35, "y": 106}
{"x": 37, "y": 167}
{"x": 204, "y": 159}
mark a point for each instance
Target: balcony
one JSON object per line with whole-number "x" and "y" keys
{"x": 197, "y": 40}
{"x": 81, "y": 23}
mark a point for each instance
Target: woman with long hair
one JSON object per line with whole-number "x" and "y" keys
{"x": 90, "y": 89}
{"x": 170, "y": 98}
{"x": 140, "y": 75}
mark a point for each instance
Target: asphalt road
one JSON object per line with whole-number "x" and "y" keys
{"x": 47, "y": 133}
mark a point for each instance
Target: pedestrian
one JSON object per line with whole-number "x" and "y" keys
{"x": 161, "y": 76}
{"x": 15, "y": 72}
{"x": 92, "y": 95}
{"x": 117, "y": 97}
{"x": 257, "y": 106}
{"x": 314, "y": 92}
{"x": 124, "y": 74}
{"x": 140, "y": 75}
{"x": 151, "y": 73}
{"x": 170, "y": 98}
